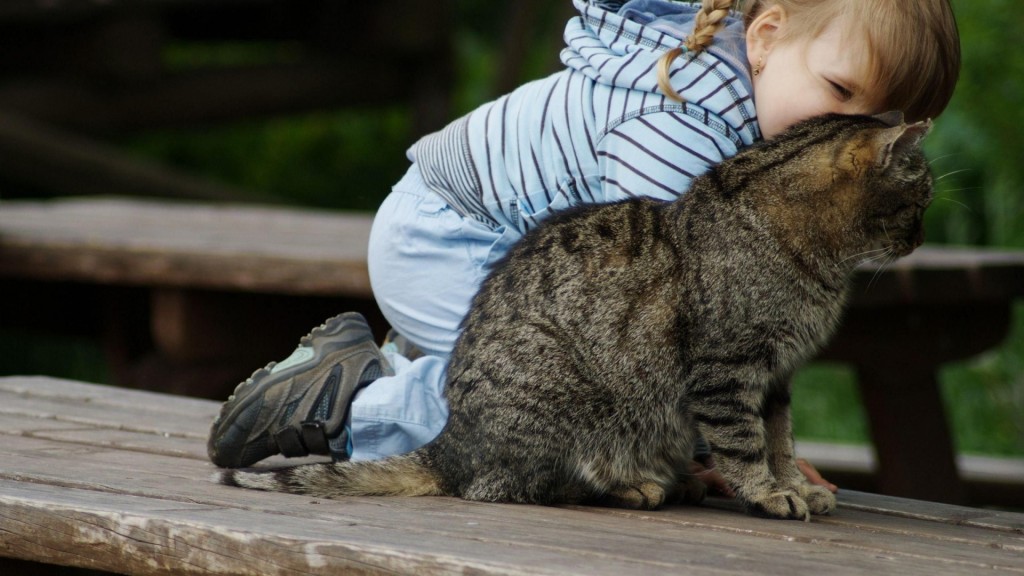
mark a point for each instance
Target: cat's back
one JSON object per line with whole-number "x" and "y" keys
{"x": 591, "y": 280}
{"x": 585, "y": 248}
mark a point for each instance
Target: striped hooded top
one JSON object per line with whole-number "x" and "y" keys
{"x": 599, "y": 130}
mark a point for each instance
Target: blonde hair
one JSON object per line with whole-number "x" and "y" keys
{"x": 914, "y": 72}
{"x": 708, "y": 21}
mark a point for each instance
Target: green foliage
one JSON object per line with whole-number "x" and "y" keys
{"x": 826, "y": 405}
{"x": 977, "y": 146}
{"x": 985, "y": 397}
{"x": 344, "y": 159}
{"x": 60, "y": 356}
{"x": 977, "y": 150}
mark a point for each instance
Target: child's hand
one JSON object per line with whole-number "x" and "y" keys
{"x": 711, "y": 478}
{"x": 813, "y": 476}
{"x": 717, "y": 485}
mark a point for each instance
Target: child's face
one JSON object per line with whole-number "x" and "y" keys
{"x": 801, "y": 78}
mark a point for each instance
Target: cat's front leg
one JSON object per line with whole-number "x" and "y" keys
{"x": 781, "y": 455}
{"x": 728, "y": 412}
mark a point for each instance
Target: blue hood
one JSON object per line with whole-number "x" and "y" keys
{"x": 618, "y": 42}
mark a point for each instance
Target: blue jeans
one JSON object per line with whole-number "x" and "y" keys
{"x": 426, "y": 263}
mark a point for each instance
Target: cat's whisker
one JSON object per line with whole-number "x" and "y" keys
{"x": 861, "y": 258}
{"x": 943, "y": 157}
{"x": 964, "y": 189}
{"x": 957, "y": 202}
{"x": 887, "y": 258}
{"x": 954, "y": 172}
{"x": 865, "y": 256}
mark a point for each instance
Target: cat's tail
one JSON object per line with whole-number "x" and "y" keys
{"x": 406, "y": 475}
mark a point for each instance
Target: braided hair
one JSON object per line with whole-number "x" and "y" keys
{"x": 708, "y": 22}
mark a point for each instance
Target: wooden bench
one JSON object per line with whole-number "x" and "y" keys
{"x": 117, "y": 480}
{"x": 191, "y": 298}
{"x": 187, "y": 298}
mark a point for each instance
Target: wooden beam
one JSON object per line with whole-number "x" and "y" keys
{"x": 200, "y": 98}
{"x": 109, "y": 73}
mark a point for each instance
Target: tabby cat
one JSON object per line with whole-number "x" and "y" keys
{"x": 613, "y": 335}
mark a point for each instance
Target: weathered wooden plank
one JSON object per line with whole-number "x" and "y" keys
{"x": 172, "y": 480}
{"x": 141, "y": 417}
{"x": 87, "y": 437}
{"x": 143, "y": 537}
{"x": 127, "y": 440}
{"x": 39, "y": 399}
{"x": 61, "y": 391}
{"x": 193, "y": 416}
{"x": 12, "y": 424}
{"x": 245, "y": 247}
{"x": 983, "y": 536}
{"x": 228, "y": 230}
{"x": 921, "y": 510}
{"x": 514, "y": 539}
{"x": 287, "y": 251}
{"x": 94, "y": 493}
{"x": 858, "y": 530}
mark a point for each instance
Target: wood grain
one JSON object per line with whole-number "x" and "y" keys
{"x": 232, "y": 247}
{"x": 114, "y": 479}
{"x": 292, "y": 251}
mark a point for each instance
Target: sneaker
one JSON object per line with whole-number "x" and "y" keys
{"x": 299, "y": 406}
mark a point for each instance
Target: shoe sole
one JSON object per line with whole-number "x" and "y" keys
{"x": 252, "y": 388}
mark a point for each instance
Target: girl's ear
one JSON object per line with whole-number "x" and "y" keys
{"x": 762, "y": 33}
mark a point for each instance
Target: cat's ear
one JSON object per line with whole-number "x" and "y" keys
{"x": 891, "y": 118}
{"x": 898, "y": 140}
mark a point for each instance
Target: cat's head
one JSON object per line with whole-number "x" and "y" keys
{"x": 852, "y": 185}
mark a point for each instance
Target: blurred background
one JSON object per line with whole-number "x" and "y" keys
{"x": 202, "y": 108}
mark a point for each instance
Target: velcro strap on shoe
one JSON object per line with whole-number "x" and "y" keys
{"x": 289, "y": 441}
{"x": 315, "y": 437}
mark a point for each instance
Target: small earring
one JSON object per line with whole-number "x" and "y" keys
{"x": 760, "y": 64}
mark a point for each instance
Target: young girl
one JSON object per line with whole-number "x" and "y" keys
{"x": 653, "y": 93}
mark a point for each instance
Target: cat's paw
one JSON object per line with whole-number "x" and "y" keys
{"x": 643, "y": 496}
{"x": 784, "y": 505}
{"x": 818, "y": 498}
